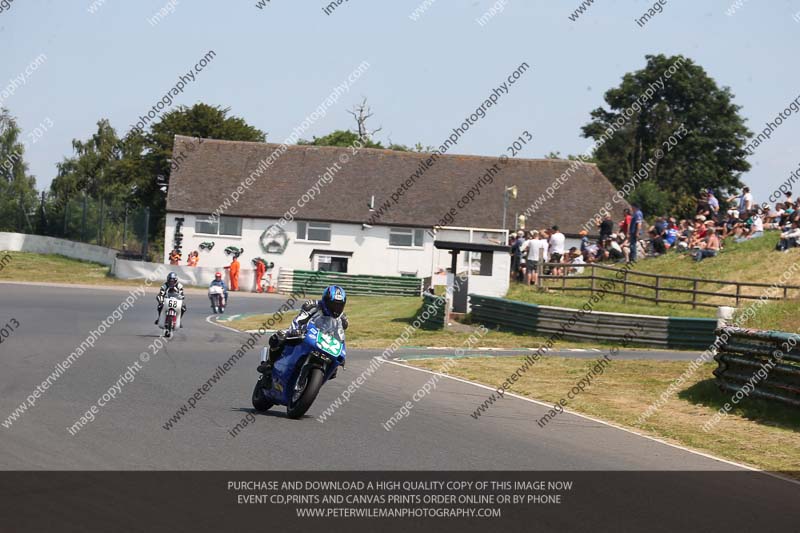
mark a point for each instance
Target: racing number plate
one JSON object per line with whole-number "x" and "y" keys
{"x": 329, "y": 343}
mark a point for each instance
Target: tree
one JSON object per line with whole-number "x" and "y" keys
{"x": 152, "y": 165}
{"x": 361, "y": 113}
{"x": 135, "y": 171}
{"x": 18, "y": 197}
{"x": 342, "y": 138}
{"x": 570, "y": 157}
{"x": 646, "y": 114}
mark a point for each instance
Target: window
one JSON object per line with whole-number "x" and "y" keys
{"x": 205, "y": 226}
{"x": 313, "y": 231}
{"x": 405, "y": 237}
{"x": 231, "y": 226}
{"x": 327, "y": 263}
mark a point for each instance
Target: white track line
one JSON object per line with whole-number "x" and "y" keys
{"x": 209, "y": 317}
{"x": 603, "y": 422}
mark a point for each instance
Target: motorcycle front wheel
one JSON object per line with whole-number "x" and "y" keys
{"x": 305, "y": 393}
{"x": 260, "y": 402}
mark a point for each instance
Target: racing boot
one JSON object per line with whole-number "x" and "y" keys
{"x": 266, "y": 367}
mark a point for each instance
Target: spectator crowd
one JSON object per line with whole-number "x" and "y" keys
{"x": 737, "y": 217}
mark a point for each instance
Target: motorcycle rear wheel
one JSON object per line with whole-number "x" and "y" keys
{"x": 296, "y": 409}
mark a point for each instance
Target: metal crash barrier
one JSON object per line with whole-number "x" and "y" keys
{"x": 764, "y": 364}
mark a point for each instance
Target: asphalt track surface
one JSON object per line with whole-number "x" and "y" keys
{"x": 128, "y": 433}
{"x": 439, "y": 435}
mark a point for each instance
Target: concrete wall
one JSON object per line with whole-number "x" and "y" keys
{"x": 20, "y": 242}
{"x": 200, "y": 276}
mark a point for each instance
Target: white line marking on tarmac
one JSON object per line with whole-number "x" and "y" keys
{"x": 209, "y": 317}
{"x": 603, "y": 422}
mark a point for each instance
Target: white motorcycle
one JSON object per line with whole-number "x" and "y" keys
{"x": 217, "y": 296}
{"x": 170, "y": 318}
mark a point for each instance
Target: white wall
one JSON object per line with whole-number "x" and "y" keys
{"x": 38, "y": 244}
{"x": 199, "y": 276}
{"x": 371, "y": 251}
{"x": 497, "y": 284}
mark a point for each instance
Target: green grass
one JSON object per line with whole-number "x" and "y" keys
{"x": 759, "y": 433}
{"x": 376, "y": 321}
{"x": 50, "y": 268}
{"x": 778, "y": 316}
{"x": 753, "y": 261}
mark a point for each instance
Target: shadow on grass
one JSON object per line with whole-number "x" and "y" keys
{"x": 768, "y": 413}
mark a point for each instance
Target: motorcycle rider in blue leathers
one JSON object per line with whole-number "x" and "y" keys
{"x": 172, "y": 284}
{"x": 332, "y": 304}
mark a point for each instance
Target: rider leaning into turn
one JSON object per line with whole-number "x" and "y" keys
{"x": 332, "y": 304}
{"x": 172, "y": 284}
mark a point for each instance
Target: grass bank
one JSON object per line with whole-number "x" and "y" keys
{"x": 754, "y": 261}
{"x": 376, "y": 321}
{"x": 757, "y": 433}
{"x": 51, "y": 268}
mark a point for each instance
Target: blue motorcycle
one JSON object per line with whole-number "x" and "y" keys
{"x": 307, "y": 362}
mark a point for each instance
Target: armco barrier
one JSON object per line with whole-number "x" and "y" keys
{"x": 290, "y": 280}
{"x": 436, "y": 308}
{"x": 764, "y": 364}
{"x": 657, "y": 331}
{"x": 38, "y": 244}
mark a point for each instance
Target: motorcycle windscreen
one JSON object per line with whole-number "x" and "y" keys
{"x": 329, "y": 335}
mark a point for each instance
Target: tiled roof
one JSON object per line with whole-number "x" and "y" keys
{"x": 214, "y": 169}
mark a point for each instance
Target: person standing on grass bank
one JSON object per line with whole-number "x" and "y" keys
{"x": 625, "y": 223}
{"x": 556, "y": 244}
{"x": 713, "y": 204}
{"x": 516, "y": 255}
{"x": 745, "y": 201}
{"x": 537, "y": 251}
{"x": 637, "y": 220}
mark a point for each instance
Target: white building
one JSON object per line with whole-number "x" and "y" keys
{"x": 360, "y": 211}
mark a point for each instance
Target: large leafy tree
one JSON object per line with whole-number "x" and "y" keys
{"x": 712, "y": 154}
{"x": 134, "y": 171}
{"x": 17, "y": 187}
{"x": 200, "y": 120}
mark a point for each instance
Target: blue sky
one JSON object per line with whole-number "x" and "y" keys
{"x": 275, "y": 65}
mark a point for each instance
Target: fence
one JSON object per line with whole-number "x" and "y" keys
{"x": 661, "y": 332}
{"x": 759, "y": 363}
{"x": 110, "y": 222}
{"x": 290, "y": 280}
{"x": 660, "y": 289}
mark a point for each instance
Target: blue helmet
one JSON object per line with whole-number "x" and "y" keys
{"x": 333, "y": 301}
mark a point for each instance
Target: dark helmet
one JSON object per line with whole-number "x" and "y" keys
{"x": 172, "y": 279}
{"x": 333, "y": 301}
